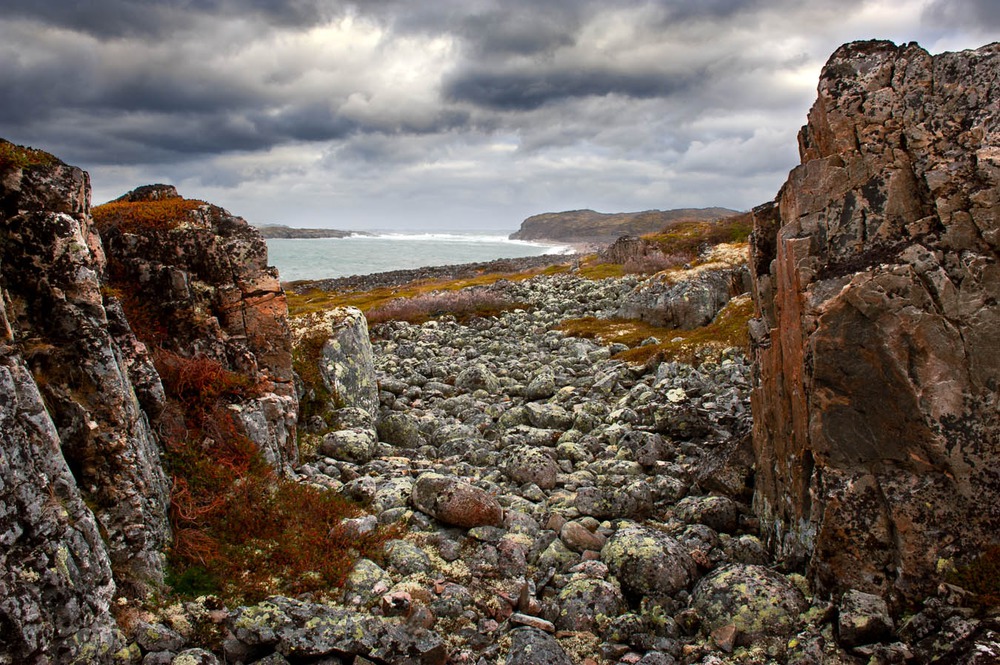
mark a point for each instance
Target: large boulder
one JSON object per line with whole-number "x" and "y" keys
{"x": 648, "y": 562}
{"x": 348, "y": 366}
{"x": 455, "y": 502}
{"x": 757, "y": 601}
{"x": 686, "y": 300}
{"x": 876, "y": 276}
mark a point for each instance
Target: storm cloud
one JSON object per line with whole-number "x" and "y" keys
{"x": 452, "y": 114}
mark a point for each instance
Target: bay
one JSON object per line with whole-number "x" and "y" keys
{"x": 327, "y": 258}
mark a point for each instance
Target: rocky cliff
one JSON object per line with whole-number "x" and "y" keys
{"x": 877, "y": 365}
{"x": 588, "y": 226}
{"x": 84, "y": 495}
{"x": 195, "y": 279}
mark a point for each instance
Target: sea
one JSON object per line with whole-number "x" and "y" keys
{"x": 326, "y": 258}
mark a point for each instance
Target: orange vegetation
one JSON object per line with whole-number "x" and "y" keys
{"x": 133, "y": 217}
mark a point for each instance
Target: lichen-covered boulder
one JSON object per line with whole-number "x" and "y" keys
{"x": 366, "y": 583}
{"x": 718, "y": 512}
{"x": 632, "y": 500}
{"x": 478, "y": 377}
{"x": 648, "y": 562}
{"x": 528, "y": 464}
{"x": 531, "y": 646}
{"x": 863, "y": 618}
{"x": 688, "y": 301}
{"x": 759, "y": 602}
{"x": 399, "y": 429}
{"x": 455, "y": 502}
{"x": 350, "y": 445}
{"x": 586, "y": 600}
{"x": 347, "y": 365}
{"x": 548, "y": 416}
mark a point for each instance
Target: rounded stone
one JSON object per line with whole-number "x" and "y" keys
{"x": 757, "y": 600}
{"x": 531, "y": 646}
{"x": 585, "y": 599}
{"x": 579, "y": 538}
{"x": 648, "y": 562}
{"x": 718, "y": 512}
{"x": 525, "y": 464}
{"x": 350, "y": 445}
{"x": 455, "y": 502}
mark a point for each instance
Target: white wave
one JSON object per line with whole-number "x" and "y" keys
{"x": 448, "y": 237}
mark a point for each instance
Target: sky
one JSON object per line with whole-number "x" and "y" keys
{"x": 440, "y": 115}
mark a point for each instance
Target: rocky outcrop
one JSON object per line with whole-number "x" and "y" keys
{"x": 690, "y": 298}
{"x": 876, "y": 276}
{"x": 198, "y": 284}
{"x": 347, "y": 366}
{"x": 588, "y": 226}
{"x": 83, "y": 492}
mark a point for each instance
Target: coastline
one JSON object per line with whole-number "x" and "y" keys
{"x": 394, "y": 278}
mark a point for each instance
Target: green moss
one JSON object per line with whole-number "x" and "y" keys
{"x": 306, "y": 358}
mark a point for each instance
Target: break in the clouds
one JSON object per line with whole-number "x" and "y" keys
{"x": 452, "y": 114}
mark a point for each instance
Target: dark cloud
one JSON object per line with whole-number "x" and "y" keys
{"x": 976, "y": 15}
{"x": 144, "y": 18}
{"x": 527, "y": 89}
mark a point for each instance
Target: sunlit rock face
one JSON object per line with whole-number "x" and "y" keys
{"x": 876, "y": 278}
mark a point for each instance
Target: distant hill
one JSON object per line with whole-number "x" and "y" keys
{"x": 282, "y": 231}
{"x": 584, "y": 226}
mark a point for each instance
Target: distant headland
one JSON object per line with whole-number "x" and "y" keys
{"x": 282, "y": 231}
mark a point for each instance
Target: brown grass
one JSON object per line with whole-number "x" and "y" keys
{"x": 316, "y": 300}
{"x": 139, "y": 216}
{"x": 240, "y": 530}
{"x": 463, "y": 305}
{"x": 690, "y": 238}
{"x": 727, "y": 330}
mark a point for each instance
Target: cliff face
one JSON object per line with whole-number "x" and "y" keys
{"x": 196, "y": 281}
{"x": 588, "y": 226}
{"x": 84, "y": 496}
{"x": 83, "y": 490}
{"x": 876, "y": 276}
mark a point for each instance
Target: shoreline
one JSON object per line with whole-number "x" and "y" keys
{"x": 395, "y": 278}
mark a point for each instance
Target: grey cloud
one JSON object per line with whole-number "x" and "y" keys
{"x": 974, "y": 15}
{"x": 527, "y": 89}
{"x": 144, "y": 18}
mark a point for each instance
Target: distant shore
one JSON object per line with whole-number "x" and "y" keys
{"x": 399, "y": 277}
{"x": 281, "y": 231}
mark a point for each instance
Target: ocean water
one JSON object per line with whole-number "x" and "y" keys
{"x": 324, "y": 258}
